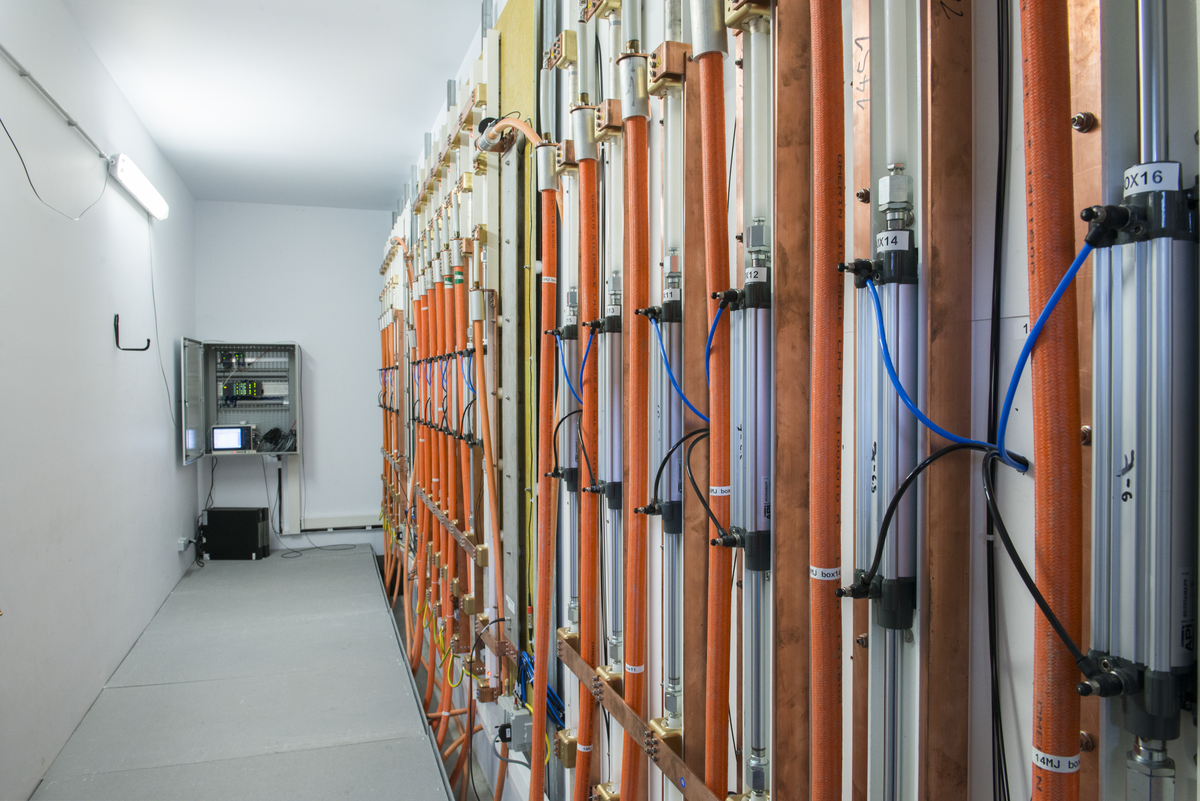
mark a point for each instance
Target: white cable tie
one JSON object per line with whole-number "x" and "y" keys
{"x": 1055, "y": 764}
{"x": 719, "y": 491}
{"x": 825, "y": 573}
{"x": 635, "y": 668}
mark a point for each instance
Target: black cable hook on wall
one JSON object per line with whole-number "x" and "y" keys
{"x": 117, "y": 334}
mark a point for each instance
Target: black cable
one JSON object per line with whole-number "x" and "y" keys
{"x": 462, "y": 421}
{"x": 908, "y": 481}
{"x": 1000, "y": 785}
{"x": 38, "y": 195}
{"x": 554, "y": 436}
{"x": 720, "y": 531}
{"x": 1051, "y": 618}
{"x": 583, "y": 449}
{"x": 292, "y": 553}
{"x": 663, "y": 464}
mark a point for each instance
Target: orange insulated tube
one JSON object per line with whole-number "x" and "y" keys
{"x": 589, "y": 502}
{"x": 637, "y": 357}
{"x": 720, "y": 559}
{"x": 1058, "y": 480}
{"x": 546, "y": 513}
{"x": 829, "y": 190}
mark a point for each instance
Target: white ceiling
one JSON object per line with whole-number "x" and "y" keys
{"x": 300, "y": 102}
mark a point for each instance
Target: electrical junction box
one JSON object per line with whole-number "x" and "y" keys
{"x": 230, "y": 385}
{"x": 518, "y": 724}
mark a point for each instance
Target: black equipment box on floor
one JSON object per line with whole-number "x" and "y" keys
{"x": 235, "y": 533}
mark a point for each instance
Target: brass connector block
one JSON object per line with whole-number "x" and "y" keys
{"x": 467, "y": 604}
{"x": 606, "y": 792}
{"x": 569, "y": 637}
{"x": 444, "y": 572}
{"x": 739, "y": 12}
{"x": 608, "y": 119}
{"x": 600, "y": 8}
{"x": 481, "y": 555}
{"x": 673, "y": 738}
{"x": 563, "y": 52}
{"x": 487, "y": 694}
{"x": 614, "y": 677}
{"x": 667, "y": 65}
{"x": 564, "y": 158}
{"x": 454, "y": 587}
{"x": 564, "y": 747}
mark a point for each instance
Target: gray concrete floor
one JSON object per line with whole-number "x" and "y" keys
{"x": 280, "y": 678}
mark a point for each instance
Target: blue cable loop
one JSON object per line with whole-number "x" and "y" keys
{"x": 891, "y": 371}
{"x": 562, "y": 360}
{"x": 462, "y": 371}
{"x": 663, "y": 350}
{"x": 708, "y": 348}
{"x": 1030, "y": 340}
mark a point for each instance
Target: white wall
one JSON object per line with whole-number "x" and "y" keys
{"x": 92, "y": 497}
{"x": 267, "y": 273}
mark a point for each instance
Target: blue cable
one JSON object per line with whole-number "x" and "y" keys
{"x": 891, "y": 371}
{"x": 708, "y": 348}
{"x": 663, "y": 350}
{"x": 462, "y": 371}
{"x": 562, "y": 359}
{"x": 1030, "y": 340}
{"x": 583, "y": 364}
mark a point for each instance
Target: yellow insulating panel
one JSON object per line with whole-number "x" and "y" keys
{"x": 519, "y": 54}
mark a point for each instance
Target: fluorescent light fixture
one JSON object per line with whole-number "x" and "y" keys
{"x": 137, "y": 184}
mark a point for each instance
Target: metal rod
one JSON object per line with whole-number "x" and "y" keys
{"x": 71, "y": 121}
{"x": 1152, "y": 80}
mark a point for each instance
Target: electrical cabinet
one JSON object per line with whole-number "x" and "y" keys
{"x": 240, "y": 398}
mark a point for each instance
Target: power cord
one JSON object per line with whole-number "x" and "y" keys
{"x": 37, "y": 194}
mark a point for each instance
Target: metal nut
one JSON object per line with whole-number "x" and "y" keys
{"x": 1084, "y": 121}
{"x": 861, "y": 641}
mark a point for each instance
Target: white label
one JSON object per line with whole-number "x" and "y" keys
{"x": 755, "y": 275}
{"x": 718, "y": 491}
{"x": 572, "y": 320}
{"x": 1156, "y": 177}
{"x": 825, "y": 573}
{"x": 549, "y": 279}
{"x": 891, "y": 240}
{"x": 1055, "y": 764}
{"x": 634, "y": 668}
{"x": 672, "y": 294}
{"x": 587, "y": 749}
{"x": 512, "y": 607}
{"x": 612, "y": 311}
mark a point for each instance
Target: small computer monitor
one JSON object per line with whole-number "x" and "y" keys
{"x": 232, "y": 438}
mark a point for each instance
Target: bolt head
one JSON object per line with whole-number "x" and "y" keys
{"x": 1083, "y": 121}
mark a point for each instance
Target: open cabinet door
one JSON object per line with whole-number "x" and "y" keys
{"x": 192, "y": 400}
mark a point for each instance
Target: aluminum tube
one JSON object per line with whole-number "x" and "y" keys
{"x": 673, "y": 175}
{"x": 673, "y": 20}
{"x": 631, "y": 16}
{"x": 585, "y": 45}
{"x": 764, "y": 372}
{"x": 905, "y": 428}
{"x": 1152, "y": 80}
{"x": 614, "y": 561}
{"x": 615, "y": 45}
{"x": 758, "y": 118}
{"x": 709, "y": 33}
{"x": 635, "y": 87}
{"x": 583, "y": 125}
{"x": 1102, "y": 353}
{"x": 758, "y": 730}
{"x": 547, "y": 86}
{"x": 672, "y": 631}
{"x": 895, "y": 46}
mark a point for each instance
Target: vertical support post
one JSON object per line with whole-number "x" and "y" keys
{"x": 946, "y": 219}
{"x": 792, "y": 228}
